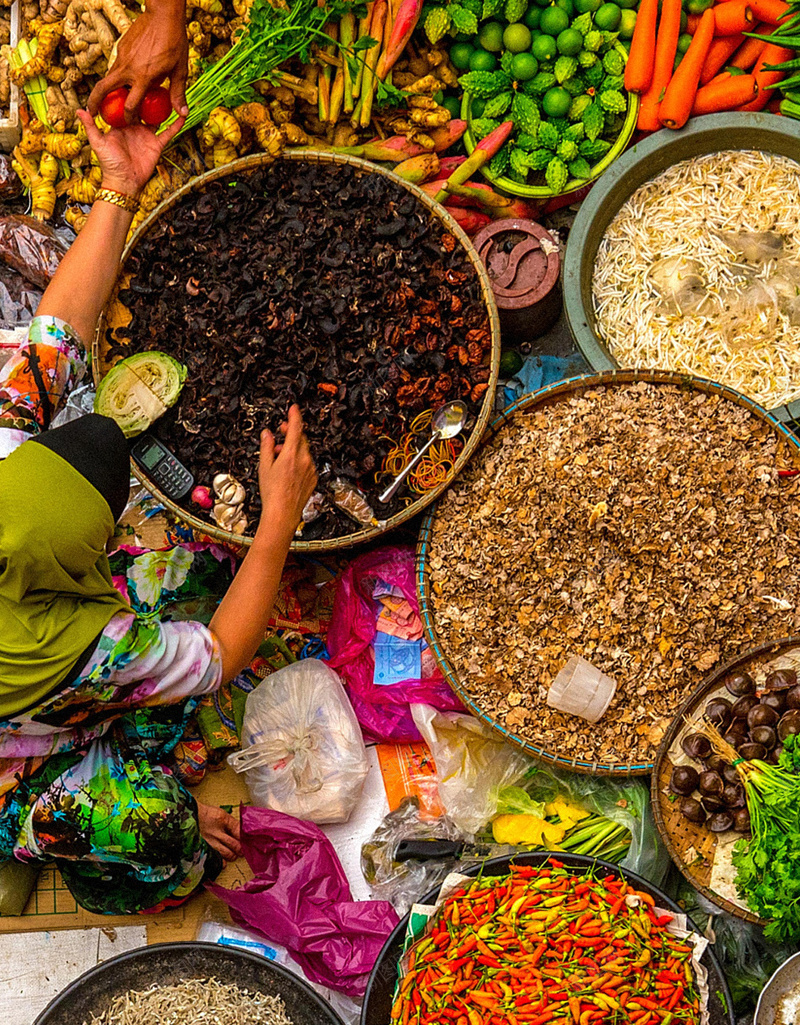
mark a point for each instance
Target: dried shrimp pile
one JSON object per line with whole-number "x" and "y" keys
{"x": 194, "y": 1002}
{"x": 644, "y": 527}
{"x": 700, "y": 272}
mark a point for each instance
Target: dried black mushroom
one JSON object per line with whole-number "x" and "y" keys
{"x": 718, "y": 712}
{"x": 762, "y": 715}
{"x": 775, "y": 699}
{"x": 733, "y": 795}
{"x": 752, "y": 751}
{"x": 721, "y": 822}
{"x": 692, "y": 810}
{"x": 730, "y": 775}
{"x": 710, "y": 784}
{"x": 712, "y": 803}
{"x": 684, "y": 779}
{"x": 781, "y": 679}
{"x": 716, "y": 763}
{"x": 737, "y": 734}
{"x": 740, "y": 684}
{"x": 741, "y": 820}
{"x": 793, "y": 697}
{"x": 765, "y": 735}
{"x": 695, "y": 745}
{"x": 789, "y": 724}
{"x": 742, "y": 707}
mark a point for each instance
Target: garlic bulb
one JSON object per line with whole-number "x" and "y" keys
{"x": 230, "y": 517}
{"x": 228, "y": 489}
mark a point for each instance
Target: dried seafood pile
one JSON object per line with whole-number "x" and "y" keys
{"x": 700, "y": 272}
{"x": 314, "y": 284}
{"x": 644, "y": 527}
{"x": 196, "y": 1001}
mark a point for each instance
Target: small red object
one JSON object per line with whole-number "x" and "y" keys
{"x": 156, "y": 106}
{"x": 202, "y": 496}
{"x": 112, "y": 108}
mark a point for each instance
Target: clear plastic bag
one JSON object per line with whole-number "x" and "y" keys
{"x": 627, "y": 803}
{"x": 404, "y": 882}
{"x": 302, "y": 748}
{"x": 472, "y": 764}
{"x": 31, "y": 248}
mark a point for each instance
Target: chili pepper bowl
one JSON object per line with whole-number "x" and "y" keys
{"x": 378, "y": 998}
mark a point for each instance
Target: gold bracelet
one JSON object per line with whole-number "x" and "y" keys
{"x": 129, "y": 203}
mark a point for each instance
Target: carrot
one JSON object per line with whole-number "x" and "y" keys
{"x": 678, "y": 99}
{"x": 767, "y": 80}
{"x": 406, "y": 21}
{"x": 771, "y": 11}
{"x": 639, "y": 69}
{"x": 721, "y": 49}
{"x": 692, "y": 21}
{"x": 725, "y": 92}
{"x": 750, "y": 50}
{"x": 669, "y": 29}
{"x": 733, "y": 18}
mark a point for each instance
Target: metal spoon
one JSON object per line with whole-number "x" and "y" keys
{"x": 448, "y": 421}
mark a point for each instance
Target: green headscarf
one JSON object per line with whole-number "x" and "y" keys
{"x": 56, "y": 592}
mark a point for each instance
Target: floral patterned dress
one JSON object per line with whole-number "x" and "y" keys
{"x": 84, "y": 774}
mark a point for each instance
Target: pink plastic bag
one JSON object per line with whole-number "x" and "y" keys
{"x": 300, "y": 897}
{"x": 382, "y": 711}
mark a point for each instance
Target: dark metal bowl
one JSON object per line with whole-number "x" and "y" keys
{"x": 378, "y": 999}
{"x": 169, "y": 963}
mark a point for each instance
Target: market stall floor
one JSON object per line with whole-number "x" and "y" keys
{"x": 55, "y": 941}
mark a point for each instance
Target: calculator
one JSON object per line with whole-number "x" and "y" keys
{"x": 161, "y": 466}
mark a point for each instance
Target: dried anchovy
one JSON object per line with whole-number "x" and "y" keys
{"x": 644, "y": 527}
{"x": 194, "y": 1002}
{"x": 314, "y": 284}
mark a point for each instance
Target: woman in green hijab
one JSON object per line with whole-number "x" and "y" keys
{"x": 93, "y": 697}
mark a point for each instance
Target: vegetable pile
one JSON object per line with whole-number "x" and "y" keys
{"x": 544, "y": 945}
{"x": 562, "y": 88}
{"x": 308, "y": 283}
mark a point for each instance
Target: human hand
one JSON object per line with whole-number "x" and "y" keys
{"x": 286, "y": 473}
{"x": 128, "y": 156}
{"x": 155, "y": 47}
{"x": 220, "y": 830}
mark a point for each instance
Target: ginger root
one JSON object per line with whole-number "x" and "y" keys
{"x": 62, "y": 105}
{"x": 5, "y": 77}
{"x": 91, "y": 28}
{"x": 220, "y": 136}
{"x": 269, "y": 137}
{"x": 53, "y": 10}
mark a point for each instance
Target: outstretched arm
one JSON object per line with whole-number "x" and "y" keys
{"x": 286, "y": 479}
{"x": 155, "y": 47}
{"x": 82, "y": 284}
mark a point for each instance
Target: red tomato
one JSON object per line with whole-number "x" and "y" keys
{"x": 156, "y": 106}
{"x": 112, "y": 108}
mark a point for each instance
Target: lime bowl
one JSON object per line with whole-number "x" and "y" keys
{"x": 542, "y": 192}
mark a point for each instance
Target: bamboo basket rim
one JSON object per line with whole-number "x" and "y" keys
{"x": 254, "y": 160}
{"x": 711, "y": 682}
{"x": 569, "y": 386}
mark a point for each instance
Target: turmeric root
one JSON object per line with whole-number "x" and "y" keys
{"x": 162, "y": 184}
{"x": 47, "y": 43}
{"x": 41, "y": 182}
{"x": 5, "y": 77}
{"x": 75, "y": 217}
{"x": 221, "y": 135}
{"x": 269, "y": 137}
{"x": 209, "y": 6}
{"x": 62, "y": 145}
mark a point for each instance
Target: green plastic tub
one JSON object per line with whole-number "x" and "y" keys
{"x": 644, "y": 161}
{"x": 542, "y": 192}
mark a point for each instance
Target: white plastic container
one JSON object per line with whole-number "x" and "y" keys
{"x": 581, "y": 689}
{"x": 10, "y": 131}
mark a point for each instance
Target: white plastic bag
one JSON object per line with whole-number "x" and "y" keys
{"x": 302, "y": 747}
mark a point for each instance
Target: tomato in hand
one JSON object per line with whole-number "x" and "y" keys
{"x": 156, "y": 106}
{"x": 112, "y": 109}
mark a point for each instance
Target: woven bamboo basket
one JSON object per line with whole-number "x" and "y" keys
{"x": 684, "y": 838}
{"x": 548, "y": 396}
{"x": 115, "y": 313}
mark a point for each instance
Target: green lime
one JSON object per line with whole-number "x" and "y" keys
{"x": 626, "y": 45}
{"x": 491, "y": 36}
{"x": 632, "y": 4}
{"x": 584, "y": 6}
{"x": 607, "y": 18}
{"x": 568, "y": 6}
{"x": 684, "y": 42}
{"x": 569, "y": 42}
{"x": 524, "y": 67}
{"x": 553, "y": 20}
{"x": 453, "y": 104}
{"x": 438, "y": 97}
{"x": 627, "y": 24}
{"x": 476, "y": 108}
{"x": 542, "y": 3}
{"x": 676, "y": 62}
{"x": 543, "y": 48}
{"x": 510, "y": 363}
{"x": 556, "y": 102}
{"x": 517, "y": 38}
{"x": 698, "y": 6}
{"x": 481, "y": 60}
{"x": 684, "y": 21}
{"x": 532, "y": 16}
{"x": 460, "y": 54}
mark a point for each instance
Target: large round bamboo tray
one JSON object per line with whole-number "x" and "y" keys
{"x": 547, "y": 396}
{"x": 115, "y": 313}
{"x": 691, "y": 847}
